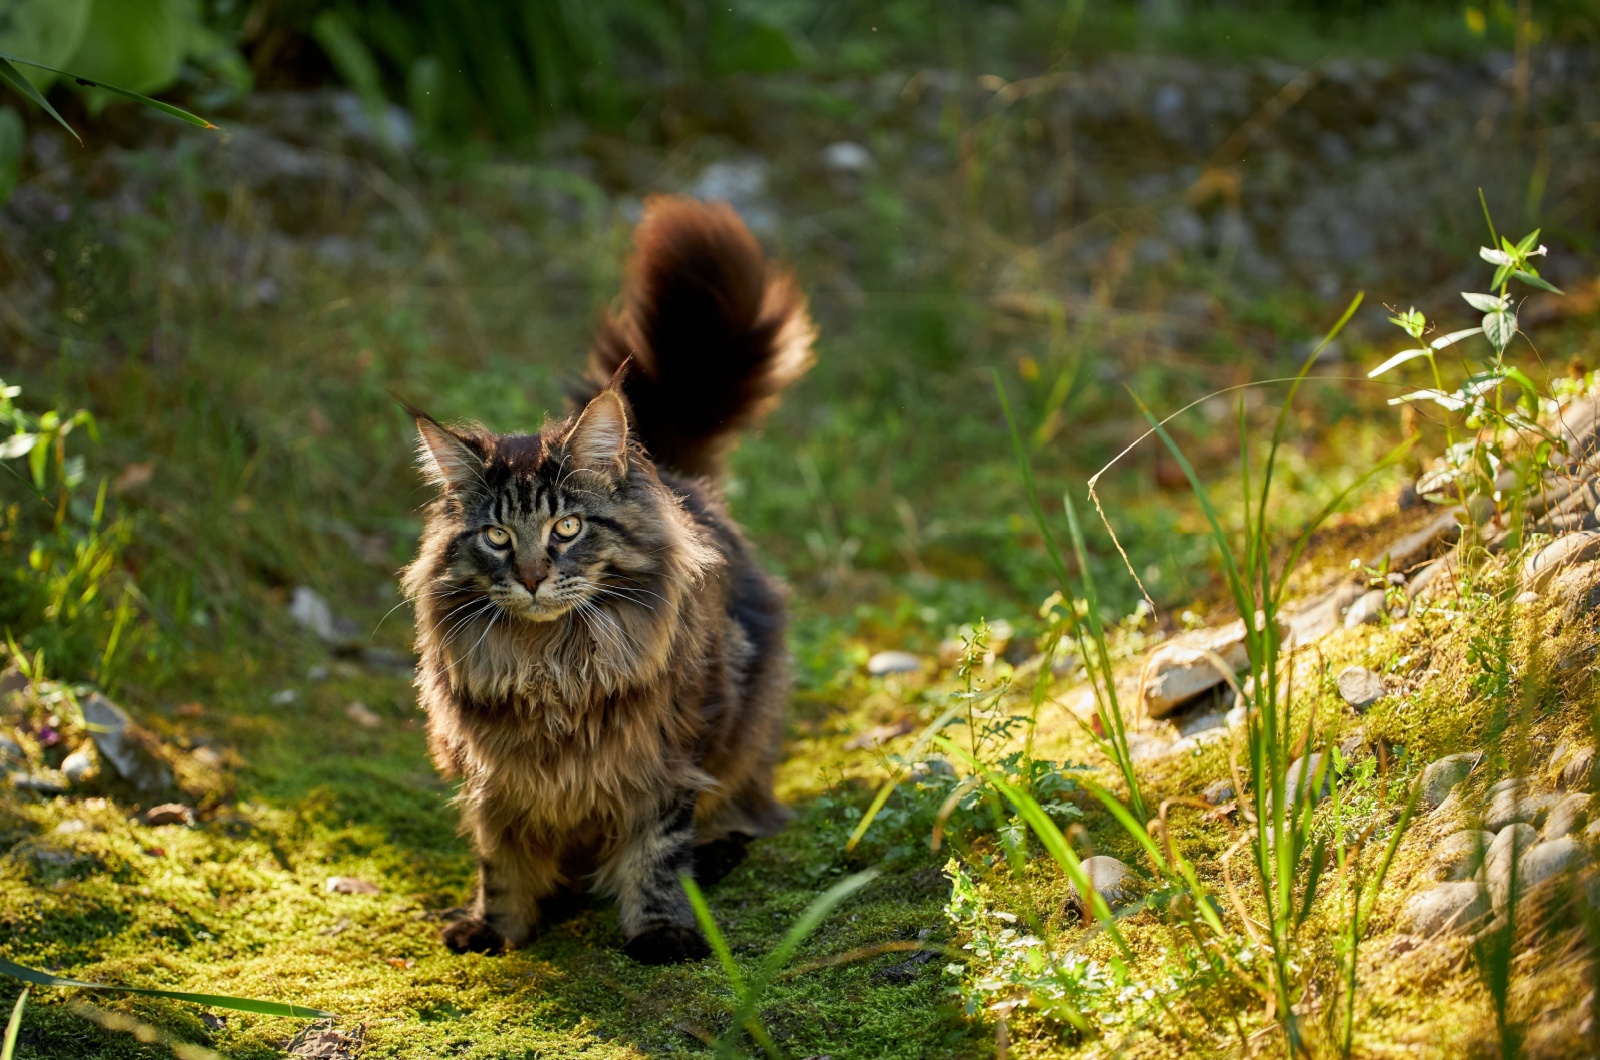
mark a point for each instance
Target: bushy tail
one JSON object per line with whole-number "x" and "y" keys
{"x": 715, "y": 333}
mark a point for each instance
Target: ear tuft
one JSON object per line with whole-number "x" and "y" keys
{"x": 446, "y": 459}
{"x": 598, "y": 442}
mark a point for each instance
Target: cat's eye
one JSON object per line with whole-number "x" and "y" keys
{"x": 569, "y": 527}
{"x": 498, "y": 536}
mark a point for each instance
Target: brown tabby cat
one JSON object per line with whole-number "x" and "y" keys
{"x": 602, "y": 658}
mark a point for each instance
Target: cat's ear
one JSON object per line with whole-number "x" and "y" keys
{"x": 446, "y": 458}
{"x": 598, "y": 442}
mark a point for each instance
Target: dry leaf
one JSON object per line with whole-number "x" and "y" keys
{"x": 362, "y": 715}
{"x": 349, "y": 885}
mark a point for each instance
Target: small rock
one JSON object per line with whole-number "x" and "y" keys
{"x": 929, "y": 768}
{"x": 115, "y": 738}
{"x": 1441, "y": 777}
{"x": 40, "y": 783}
{"x": 1448, "y": 908}
{"x": 1418, "y": 545}
{"x": 1460, "y": 855}
{"x": 1515, "y": 804}
{"x": 1567, "y": 815}
{"x": 1436, "y": 576}
{"x": 283, "y": 697}
{"x": 1577, "y": 770}
{"x": 1528, "y": 597}
{"x": 893, "y": 662}
{"x": 317, "y": 673}
{"x": 312, "y": 612}
{"x": 1218, "y": 793}
{"x": 1112, "y": 880}
{"x": 349, "y": 885}
{"x": 1183, "y": 667}
{"x": 12, "y": 680}
{"x": 950, "y": 652}
{"x": 362, "y": 715}
{"x": 78, "y": 765}
{"x": 1508, "y": 848}
{"x": 1564, "y": 552}
{"x": 1578, "y": 589}
{"x": 1546, "y": 861}
{"x": 1368, "y": 610}
{"x": 1353, "y": 744}
{"x": 10, "y": 750}
{"x": 1307, "y": 775}
{"x": 72, "y": 827}
{"x": 1361, "y": 687}
{"x": 847, "y": 156}
{"x": 170, "y": 813}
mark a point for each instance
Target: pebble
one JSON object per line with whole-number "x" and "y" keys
{"x": 1441, "y": 777}
{"x": 1575, "y": 772}
{"x": 1300, "y": 777}
{"x": 1509, "y": 847}
{"x": 893, "y": 662}
{"x": 931, "y": 767}
{"x": 1218, "y": 793}
{"x": 1539, "y": 864}
{"x": 1541, "y": 568}
{"x": 1579, "y": 590}
{"x": 1460, "y": 855}
{"x": 77, "y": 766}
{"x": 1567, "y": 815}
{"x": 39, "y": 783}
{"x": 310, "y": 611}
{"x": 1113, "y": 880}
{"x": 111, "y": 730}
{"x": 349, "y": 885}
{"x": 10, "y": 750}
{"x": 1361, "y": 687}
{"x": 1194, "y": 742}
{"x": 1368, "y": 610}
{"x": 1447, "y": 908}
{"x": 1183, "y": 668}
{"x": 170, "y": 813}
{"x": 362, "y": 714}
{"x": 1514, "y": 804}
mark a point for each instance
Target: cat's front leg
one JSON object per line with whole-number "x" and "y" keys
{"x": 513, "y": 876}
{"x": 644, "y": 871}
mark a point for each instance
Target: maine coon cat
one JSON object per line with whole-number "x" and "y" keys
{"x": 602, "y": 658}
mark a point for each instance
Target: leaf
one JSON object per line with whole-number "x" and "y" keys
{"x": 1532, "y": 279}
{"x": 1518, "y": 376}
{"x": 86, "y": 82}
{"x": 9, "y": 1047}
{"x": 1500, "y": 275}
{"x": 1527, "y": 242}
{"x": 20, "y": 444}
{"x": 237, "y": 1004}
{"x": 1453, "y": 338}
{"x": 1499, "y": 328}
{"x": 1495, "y": 257}
{"x": 1438, "y": 397}
{"x": 13, "y": 77}
{"x": 1485, "y": 303}
{"x": 1397, "y": 360}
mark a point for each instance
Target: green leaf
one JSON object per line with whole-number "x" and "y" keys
{"x": 1499, "y": 328}
{"x": 8, "y": 1048}
{"x": 1485, "y": 303}
{"x": 1533, "y": 279}
{"x": 237, "y": 1004}
{"x": 13, "y": 77}
{"x": 1501, "y": 273}
{"x": 1397, "y": 360}
{"x": 87, "y": 82}
{"x": 1518, "y": 376}
{"x": 1529, "y": 241}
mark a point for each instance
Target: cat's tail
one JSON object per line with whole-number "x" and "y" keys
{"x": 715, "y": 333}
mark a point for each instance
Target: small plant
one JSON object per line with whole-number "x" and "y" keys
{"x": 8, "y": 1047}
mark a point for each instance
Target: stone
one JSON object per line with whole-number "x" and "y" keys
{"x": 1307, "y": 775}
{"x": 10, "y": 750}
{"x": 1112, "y": 880}
{"x": 1540, "y": 864}
{"x": 1541, "y": 569}
{"x": 1368, "y": 610}
{"x": 847, "y": 156}
{"x": 1441, "y": 777}
{"x": 1218, "y": 793}
{"x": 1361, "y": 687}
{"x": 1323, "y": 616}
{"x": 1514, "y": 805}
{"x": 894, "y": 662}
{"x": 1459, "y": 856}
{"x": 311, "y": 612}
{"x": 169, "y": 813}
{"x": 1576, "y": 771}
{"x": 1183, "y": 667}
{"x": 40, "y": 783}
{"x": 1567, "y": 815}
{"x": 1194, "y": 742}
{"x": 115, "y": 738}
{"x": 13, "y": 680}
{"x": 79, "y": 765}
{"x": 928, "y": 768}
{"x": 1438, "y": 576}
{"x": 349, "y": 885}
{"x": 1447, "y": 908}
{"x": 1578, "y": 589}
{"x": 1508, "y": 848}
{"x": 1418, "y": 545}
{"x": 362, "y": 715}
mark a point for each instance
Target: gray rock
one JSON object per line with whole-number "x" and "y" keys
{"x": 893, "y": 662}
{"x": 847, "y": 156}
{"x": 1515, "y": 804}
{"x": 311, "y": 612}
{"x": 1567, "y": 815}
{"x": 1361, "y": 687}
{"x": 1539, "y": 865}
{"x": 45, "y": 783}
{"x": 1368, "y": 610}
{"x": 10, "y": 750}
{"x": 1418, "y": 545}
{"x": 1307, "y": 776}
{"x": 1459, "y": 856}
{"x": 170, "y": 813}
{"x": 1441, "y": 777}
{"x": 1113, "y": 880}
{"x": 1578, "y": 589}
{"x": 112, "y": 732}
{"x": 1541, "y": 569}
{"x": 1577, "y": 769}
{"x": 930, "y": 767}
{"x": 1448, "y": 908}
{"x": 1218, "y": 793}
{"x": 77, "y": 766}
{"x": 1508, "y": 848}
{"x": 1185, "y": 666}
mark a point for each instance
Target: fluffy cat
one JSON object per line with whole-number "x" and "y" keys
{"x": 602, "y": 659}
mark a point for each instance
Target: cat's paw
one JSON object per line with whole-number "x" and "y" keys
{"x": 472, "y": 935}
{"x": 668, "y": 944}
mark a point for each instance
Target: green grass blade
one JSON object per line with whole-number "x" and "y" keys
{"x": 13, "y": 77}
{"x": 87, "y": 82}
{"x": 713, "y": 934}
{"x": 1032, "y": 490}
{"x": 889, "y": 785}
{"x": 9, "y": 1048}
{"x": 237, "y": 1004}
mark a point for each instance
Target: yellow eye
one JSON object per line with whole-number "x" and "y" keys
{"x": 569, "y": 526}
{"x": 498, "y": 536}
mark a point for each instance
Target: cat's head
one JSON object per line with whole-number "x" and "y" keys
{"x": 533, "y": 527}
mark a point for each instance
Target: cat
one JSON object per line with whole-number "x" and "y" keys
{"x": 602, "y": 658}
